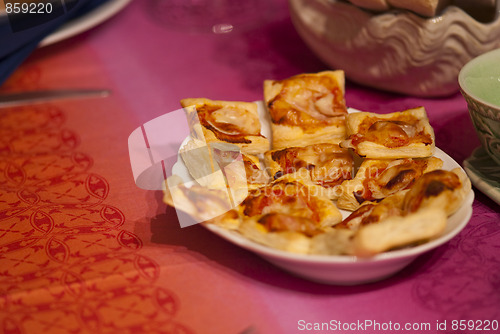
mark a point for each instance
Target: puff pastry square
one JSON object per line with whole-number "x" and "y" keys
{"x": 226, "y": 121}
{"x": 399, "y": 231}
{"x": 287, "y": 214}
{"x": 380, "y": 178}
{"x": 441, "y": 189}
{"x": 379, "y": 227}
{"x": 402, "y": 134}
{"x": 327, "y": 164}
{"x": 306, "y": 109}
{"x": 374, "y": 212}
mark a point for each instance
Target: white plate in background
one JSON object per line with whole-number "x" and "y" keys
{"x": 85, "y": 22}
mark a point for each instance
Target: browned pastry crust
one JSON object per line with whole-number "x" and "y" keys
{"x": 306, "y": 109}
{"x": 438, "y": 189}
{"x": 403, "y": 134}
{"x": 287, "y": 214}
{"x": 327, "y": 164}
{"x": 226, "y": 121}
{"x": 377, "y": 179}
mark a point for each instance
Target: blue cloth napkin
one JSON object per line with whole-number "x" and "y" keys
{"x": 16, "y": 44}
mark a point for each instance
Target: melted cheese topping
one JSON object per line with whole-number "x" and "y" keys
{"x": 399, "y": 131}
{"x": 385, "y": 179}
{"x": 290, "y": 198}
{"x": 370, "y": 213}
{"x": 431, "y": 184}
{"x": 240, "y": 119}
{"x": 277, "y": 222}
{"x": 308, "y": 101}
{"x": 328, "y": 164}
{"x": 231, "y": 124}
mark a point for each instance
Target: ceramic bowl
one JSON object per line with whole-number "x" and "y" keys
{"x": 479, "y": 82}
{"x": 396, "y": 50}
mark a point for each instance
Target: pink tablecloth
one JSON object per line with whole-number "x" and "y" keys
{"x": 83, "y": 250}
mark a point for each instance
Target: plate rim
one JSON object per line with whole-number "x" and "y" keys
{"x": 85, "y": 22}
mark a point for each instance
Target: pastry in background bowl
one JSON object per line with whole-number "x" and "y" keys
{"x": 396, "y": 50}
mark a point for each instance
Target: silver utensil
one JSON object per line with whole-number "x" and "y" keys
{"x": 33, "y": 97}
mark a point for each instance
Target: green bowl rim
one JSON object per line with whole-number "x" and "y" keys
{"x": 469, "y": 64}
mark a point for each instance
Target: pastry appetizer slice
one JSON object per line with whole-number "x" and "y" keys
{"x": 327, "y": 164}
{"x": 408, "y": 217}
{"x": 223, "y": 121}
{"x": 217, "y": 165}
{"x": 255, "y": 174}
{"x": 404, "y": 134}
{"x": 372, "y": 212}
{"x": 228, "y": 161}
{"x": 379, "y": 227}
{"x": 428, "y": 8}
{"x": 197, "y": 158}
{"x": 438, "y": 189}
{"x": 306, "y": 109}
{"x": 199, "y": 202}
{"x": 399, "y": 231}
{"x": 375, "y": 5}
{"x": 377, "y": 179}
{"x": 333, "y": 242}
{"x": 240, "y": 169}
{"x": 287, "y": 213}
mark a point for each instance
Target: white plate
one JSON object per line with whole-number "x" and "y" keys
{"x": 85, "y": 22}
{"x": 347, "y": 270}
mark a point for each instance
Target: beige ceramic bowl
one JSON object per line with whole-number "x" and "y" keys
{"x": 479, "y": 83}
{"x": 397, "y": 50}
